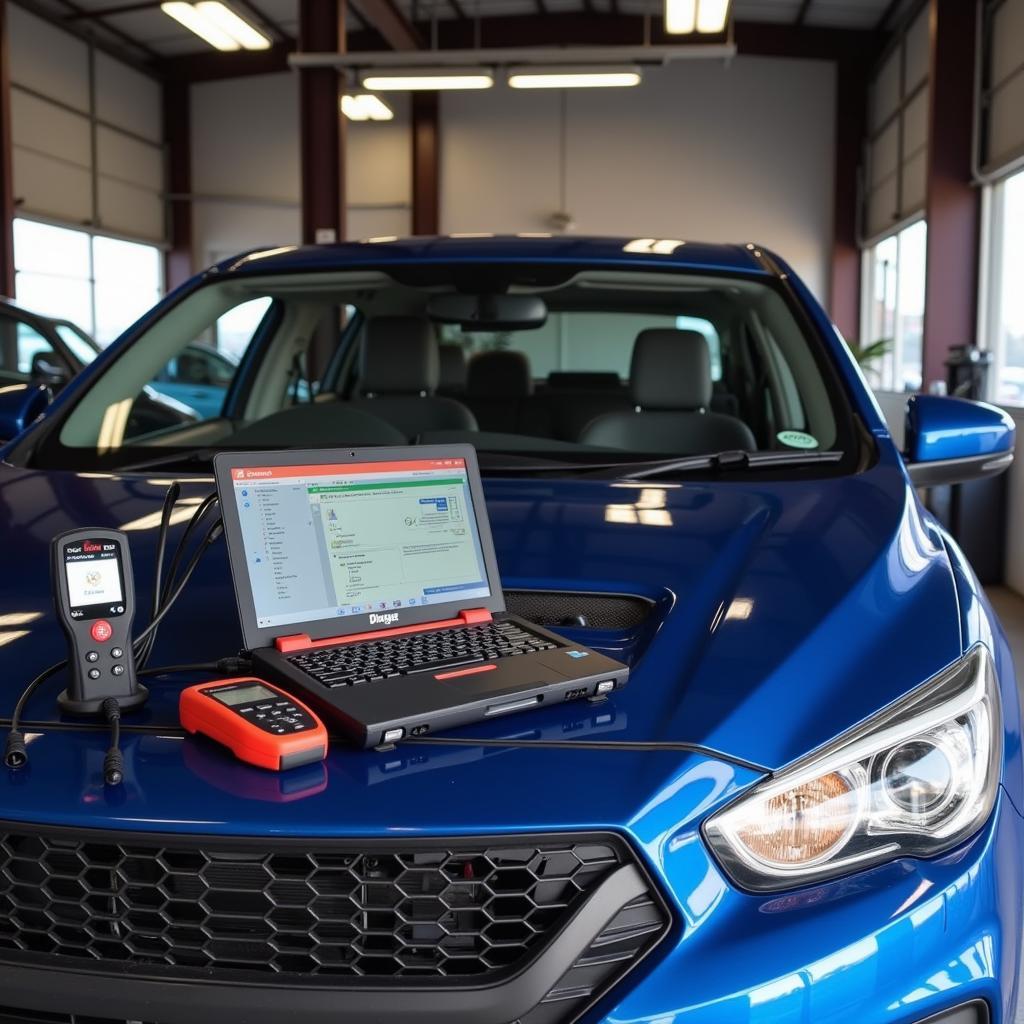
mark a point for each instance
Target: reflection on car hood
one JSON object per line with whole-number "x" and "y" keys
{"x": 785, "y": 612}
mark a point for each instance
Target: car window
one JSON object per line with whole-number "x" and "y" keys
{"x": 621, "y": 364}
{"x": 77, "y": 343}
{"x": 25, "y": 353}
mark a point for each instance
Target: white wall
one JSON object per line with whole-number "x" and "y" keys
{"x": 701, "y": 150}
{"x": 55, "y": 152}
{"x": 245, "y": 168}
{"x": 704, "y": 150}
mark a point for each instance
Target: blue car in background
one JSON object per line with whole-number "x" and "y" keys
{"x": 805, "y": 806}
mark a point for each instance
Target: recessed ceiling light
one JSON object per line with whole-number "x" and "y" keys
{"x": 365, "y": 107}
{"x": 216, "y": 24}
{"x": 569, "y": 77}
{"x": 685, "y": 16}
{"x": 416, "y": 79}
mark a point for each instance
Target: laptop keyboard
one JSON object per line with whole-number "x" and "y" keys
{"x": 373, "y": 660}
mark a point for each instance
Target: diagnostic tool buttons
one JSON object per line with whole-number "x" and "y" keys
{"x": 94, "y": 673}
{"x": 116, "y": 652}
{"x": 91, "y": 656}
{"x": 101, "y": 631}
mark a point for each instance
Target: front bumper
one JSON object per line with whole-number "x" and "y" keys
{"x": 901, "y": 943}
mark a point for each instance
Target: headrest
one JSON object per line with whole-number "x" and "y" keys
{"x": 453, "y": 368}
{"x": 670, "y": 369}
{"x": 500, "y": 373}
{"x": 400, "y": 357}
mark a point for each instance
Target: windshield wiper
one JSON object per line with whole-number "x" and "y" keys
{"x": 723, "y": 462}
{"x": 197, "y": 455}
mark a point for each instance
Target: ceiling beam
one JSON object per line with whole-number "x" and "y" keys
{"x": 801, "y": 16}
{"x": 132, "y": 57}
{"x": 267, "y": 22}
{"x": 212, "y": 65}
{"x": 102, "y": 12}
{"x": 891, "y": 8}
{"x": 390, "y": 23}
{"x": 580, "y": 29}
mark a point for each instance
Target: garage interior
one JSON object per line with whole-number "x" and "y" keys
{"x": 876, "y": 143}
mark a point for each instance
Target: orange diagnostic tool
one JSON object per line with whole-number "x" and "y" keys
{"x": 259, "y": 723}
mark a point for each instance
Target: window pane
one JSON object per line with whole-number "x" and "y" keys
{"x": 62, "y": 298}
{"x": 895, "y": 309}
{"x": 128, "y": 282}
{"x": 1010, "y": 328}
{"x": 46, "y": 249}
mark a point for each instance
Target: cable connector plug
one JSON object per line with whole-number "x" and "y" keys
{"x": 236, "y": 664}
{"x": 15, "y": 751}
{"x": 113, "y": 763}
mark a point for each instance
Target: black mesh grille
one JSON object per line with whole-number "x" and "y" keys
{"x": 559, "y": 608}
{"x": 409, "y": 912}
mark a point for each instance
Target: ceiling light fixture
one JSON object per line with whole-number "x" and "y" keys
{"x": 365, "y": 107}
{"x": 574, "y": 77}
{"x": 216, "y": 24}
{"x": 420, "y": 79}
{"x": 708, "y": 17}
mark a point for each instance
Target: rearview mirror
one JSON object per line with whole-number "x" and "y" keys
{"x": 20, "y": 405}
{"x": 488, "y": 312}
{"x": 952, "y": 440}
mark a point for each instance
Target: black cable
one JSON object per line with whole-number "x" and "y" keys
{"x": 652, "y": 746}
{"x": 216, "y": 529}
{"x": 113, "y": 763}
{"x": 15, "y": 751}
{"x": 170, "y": 500}
{"x": 179, "y": 552}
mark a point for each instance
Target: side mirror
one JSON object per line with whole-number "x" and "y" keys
{"x": 20, "y": 405}
{"x": 46, "y": 370}
{"x": 952, "y": 440}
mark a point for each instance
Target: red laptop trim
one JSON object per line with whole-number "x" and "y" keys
{"x": 303, "y": 642}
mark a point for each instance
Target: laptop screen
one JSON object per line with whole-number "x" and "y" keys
{"x": 326, "y": 541}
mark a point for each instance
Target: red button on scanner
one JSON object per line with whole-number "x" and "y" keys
{"x": 101, "y": 631}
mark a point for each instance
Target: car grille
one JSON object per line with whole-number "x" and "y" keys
{"x": 458, "y": 912}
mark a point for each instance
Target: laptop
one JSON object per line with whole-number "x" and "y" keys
{"x": 367, "y": 585}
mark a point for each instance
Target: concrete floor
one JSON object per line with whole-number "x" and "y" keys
{"x": 1009, "y": 607}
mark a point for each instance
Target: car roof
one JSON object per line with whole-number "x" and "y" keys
{"x": 647, "y": 253}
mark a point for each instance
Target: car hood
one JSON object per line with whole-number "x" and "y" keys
{"x": 780, "y": 614}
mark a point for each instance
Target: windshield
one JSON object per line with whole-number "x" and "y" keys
{"x": 575, "y": 365}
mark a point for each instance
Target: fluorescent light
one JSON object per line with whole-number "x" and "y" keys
{"x": 237, "y": 27}
{"x": 185, "y": 14}
{"x": 414, "y": 79}
{"x": 712, "y": 16}
{"x": 570, "y": 77}
{"x": 365, "y": 107}
{"x": 685, "y": 16}
{"x": 216, "y": 24}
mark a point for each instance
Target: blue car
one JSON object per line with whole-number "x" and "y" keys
{"x": 805, "y": 806}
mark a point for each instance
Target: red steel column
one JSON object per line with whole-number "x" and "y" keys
{"x": 179, "y": 263}
{"x": 6, "y": 172}
{"x": 953, "y": 203}
{"x": 322, "y": 128}
{"x": 426, "y": 158}
{"x": 851, "y": 119}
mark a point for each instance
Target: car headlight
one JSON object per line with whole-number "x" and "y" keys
{"x": 912, "y": 781}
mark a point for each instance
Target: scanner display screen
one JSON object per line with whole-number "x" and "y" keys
{"x": 242, "y": 695}
{"x": 329, "y": 541}
{"x": 95, "y": 579}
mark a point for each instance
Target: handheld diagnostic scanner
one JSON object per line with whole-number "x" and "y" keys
{"x": 257, "y": 722}
{"x": 94, "y": 597}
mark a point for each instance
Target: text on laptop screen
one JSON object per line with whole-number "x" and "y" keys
{"x": 324, "y": 541}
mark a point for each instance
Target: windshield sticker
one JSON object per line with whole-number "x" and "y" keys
{"x": 796, "y": 439}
